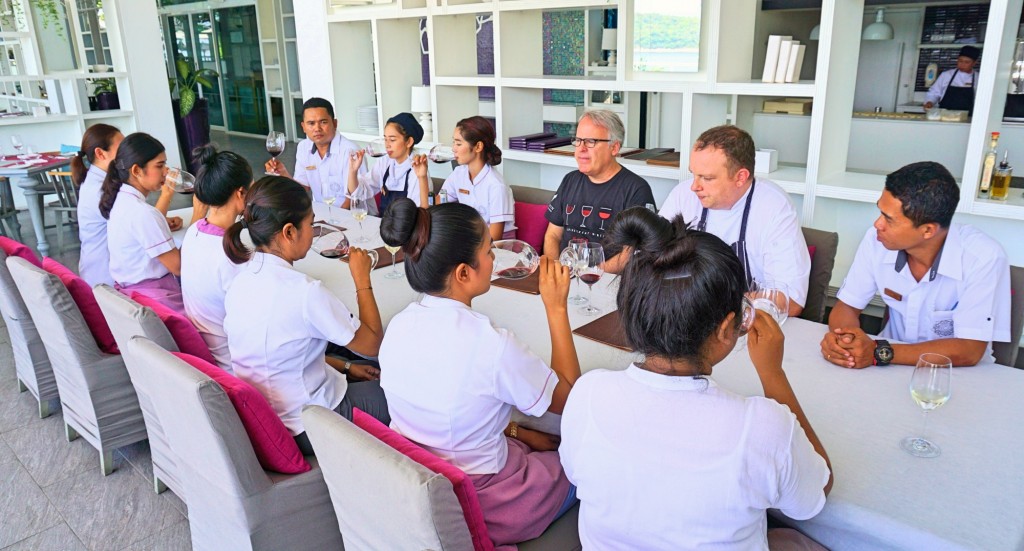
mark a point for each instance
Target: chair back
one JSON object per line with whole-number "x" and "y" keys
{"x": 823, "y": 260}
{"x": 64, "y": 187}
{"x": 1006, "y": 353}
{"x": 396, "y": 491}
{"x": 532, "y": 195}
{"x": 30, "y": 360}
{"x": 127, "y": 319}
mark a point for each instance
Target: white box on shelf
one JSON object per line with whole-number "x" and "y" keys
{"x": 766, "y": 161}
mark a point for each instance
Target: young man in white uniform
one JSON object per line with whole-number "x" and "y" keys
{"x": 947, "y": 286}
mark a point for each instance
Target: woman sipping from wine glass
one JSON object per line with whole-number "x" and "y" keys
{"x": 400, "y": 174}
{"x": 673, "y": 431}
{"x": 279, "y": 320}
{"x": 99, "y": 147}
{"x": 143, "y": 257}
{"x": 455, "y": 396}
{"x": 206, "y": 272}
{"x": 475, "y": 183}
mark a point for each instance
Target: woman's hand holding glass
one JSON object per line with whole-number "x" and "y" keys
{"x": 765, "y": 342}
{"x": 419, "y": 166}
{"x": 360, "y": 262}
{"x": 355, "y": 161}
{"x": 554, "y": 283}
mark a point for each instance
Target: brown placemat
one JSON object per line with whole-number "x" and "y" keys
{"x": 332, "y": 227}
{"x": 383, "y": 258}
{"x": 606, "y": 329}
{"x": 665, "y": 159}
{"x": 529, "y": 284}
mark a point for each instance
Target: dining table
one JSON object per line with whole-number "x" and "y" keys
{"x": 969, "y": 497}
{"x": 26, "y": 174}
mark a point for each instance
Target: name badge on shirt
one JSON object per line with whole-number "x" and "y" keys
{"x": 893, "y": 295}
{"x": 464, "y": 191}
{"x": 311, "y": 167}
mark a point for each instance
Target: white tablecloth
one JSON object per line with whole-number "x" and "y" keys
{"x": 971, "y": 497}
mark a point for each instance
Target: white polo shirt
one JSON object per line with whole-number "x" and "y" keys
{"x": 967, "y": 296}
{"x": 94, "y": 262}
{"x": 206, "y": 274}
{"x": 454, "y": 394}
{"x": 668, "y": 463}
{"x": 278, "y": 323}
{"x": 314, "y": 172}
{"x": 398, "y": 174}
{"x": 776, "y": 249}
{"x": 137, "y": 233}
{"x": 487, "y": 193}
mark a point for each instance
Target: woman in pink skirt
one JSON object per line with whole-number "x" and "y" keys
{"x": 452, "y": 379}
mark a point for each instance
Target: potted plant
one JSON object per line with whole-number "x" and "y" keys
{"x": 191, "y": 113}
{"x": 105, "y": 90}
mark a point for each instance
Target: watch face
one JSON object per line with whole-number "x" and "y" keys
{"x": 884, "y": 353}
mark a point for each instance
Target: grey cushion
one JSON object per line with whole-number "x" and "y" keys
{"x": 232, "y": 502}
{"x": 30, "y": 360}
{"x": 127, "y": 319}
{"x": 1006, "y": 352}
{"x": 532, "y": 195}
{"x": 825, "y": 246}
{"x": 96, "y": 393}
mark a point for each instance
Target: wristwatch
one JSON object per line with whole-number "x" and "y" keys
{"x": 347, "y": 366}
{"x": 883, "y": 352}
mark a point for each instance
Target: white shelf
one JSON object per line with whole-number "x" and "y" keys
{"x": 474, "y": 81}
{"x": 802, "y": 89}
{"x": 521, "y": 5}
{"x": 641, "y": 169}
{"x": 561, "y": 82}
{"x": 1012, "y": 207}
{"x": 29, "y": 119}
{"x": 111, "y": 114}
{"x": 791, "y": 178}
{"x": 852, "y": 186}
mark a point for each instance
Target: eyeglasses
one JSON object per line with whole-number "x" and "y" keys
{"x": 590, "y": 142}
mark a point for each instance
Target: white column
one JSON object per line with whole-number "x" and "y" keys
{"x": 314, "y": 50}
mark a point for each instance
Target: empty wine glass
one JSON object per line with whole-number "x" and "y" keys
{"x": 929, "y": 387}
{"x": 359, "y": 211}
{"x": 514, "y": 259}
{"x": 376, "y": 148}
{"x": 592, "y": 268}
{"x": 577, "y": 244}
{"x": 331, "y": 192}
{"x": 394, "y": 273}
{"x": 180, "y": 180}
{"x": 441, "y": 153}
{"x": 17, "y": 143}
{"x": 275, "y": 146}
{"x": 773, "y": 298}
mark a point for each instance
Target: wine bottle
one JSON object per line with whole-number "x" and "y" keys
{"x": 1001, "y": 179}
{"x": 989, "y": 165}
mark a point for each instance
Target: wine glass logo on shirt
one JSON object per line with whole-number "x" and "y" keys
{"x": 568, "y": 210}
{"x": 604, "y": 213}
{"x": 585, "y": 211}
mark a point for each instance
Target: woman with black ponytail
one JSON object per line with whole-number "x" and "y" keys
{"x": 143, "y": 257}
{"x": 452, "y": 379}
{"x": 99, "y": 147}
{"x": 206, "y": 272}
{"x": 280, "y": 320}
{"x": 663, "y": 457}
{"x": 475, "y": 182}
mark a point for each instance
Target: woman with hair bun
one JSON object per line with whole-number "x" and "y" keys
{"x": 475, "y": 182}
{"x": 455, "y": 396}
{"x": 678, "y": 462}
{"x": 400, "y": 174}
{"x": 206, "y": 272}
{"x": 280, "y": 320}
{"x": 99, "y": 147}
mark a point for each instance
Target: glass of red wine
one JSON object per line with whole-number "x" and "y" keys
{"x": 376, "y": 148}
{"x": 576, "y": 245}
{"x": 591, "y": 270}
{"x": 514, "y": 259}
{"x": 275, "y": 146}
{"x": 441, "y": 153}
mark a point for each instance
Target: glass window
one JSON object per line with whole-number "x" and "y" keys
{"x": 666, "y": 36}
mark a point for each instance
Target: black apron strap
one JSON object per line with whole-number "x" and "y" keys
{"x": 388, "y": 196}
{"x": 703, "y": 224}
{"x": 740, "y": 246}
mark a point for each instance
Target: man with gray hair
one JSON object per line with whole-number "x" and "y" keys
{"x": 588, "y": 198}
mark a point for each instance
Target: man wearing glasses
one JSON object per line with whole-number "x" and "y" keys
{"x": 589, "y": 198}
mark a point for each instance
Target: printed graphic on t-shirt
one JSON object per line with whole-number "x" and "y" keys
{"x": 584, "y": 209}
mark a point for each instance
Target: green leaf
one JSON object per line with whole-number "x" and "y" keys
{"x": 188, "y": 100}
{"x": 183, "y": 68}
{"x": 204, "y": 82}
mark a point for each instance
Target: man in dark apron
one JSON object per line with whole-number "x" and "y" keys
{"x": 954, "y": 89}
{"x": 740, "y": 246}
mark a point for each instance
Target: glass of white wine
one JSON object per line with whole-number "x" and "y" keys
{"x": 929, "y": 387}
{"x": 331, "y": 193}
{"x": 394, "y": 273}
{"x": 359, "y": 211}
{"x": 773, "y": 298}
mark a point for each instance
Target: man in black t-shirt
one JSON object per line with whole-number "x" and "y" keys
{"x": 588, "y": 198}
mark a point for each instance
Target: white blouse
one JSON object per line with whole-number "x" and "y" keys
{"x": 398, "y": 174}
{"x": 451, "y": 381}
{"x": 137, "y": 234}
{"x": 487, "y": 193}
{"x": 94, "y": 262}
{"x": 206, "y": 274}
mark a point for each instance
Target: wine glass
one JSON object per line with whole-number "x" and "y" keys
{"x": 275, "y": 146}
{"x": 359, "y": 210}
{"x": 577, "y": 244}
{"x": 331, "y": 192}
{"x": 17, "y": 143}
{"x": 376, "y": 148}
{"x": 332, "y": 244}
{"x": 180, "y": 180}
{"x": 772, "y": 297}
{"x": 591, "y": 270}
{"x": 441, "y": 153}
{"x": 514, "y": 259}
{"x": 394, "y": 273}
{"x": 929, "y": 387}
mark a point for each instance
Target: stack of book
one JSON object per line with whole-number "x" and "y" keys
{"x": 537, "y": 142}
{"x": 783, "y": 60}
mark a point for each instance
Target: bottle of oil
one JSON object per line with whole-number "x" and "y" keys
{"x": 989, "y": 166}
{"x": 1001, "y": 179}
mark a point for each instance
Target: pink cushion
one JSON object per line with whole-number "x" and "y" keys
{"x": 463, "y": 486}
{"x": 14, "y": 248}
{"x": 531, "y": 224}
{"x": 810, "y": 250}
{"x": 181, "y": 329}
{"x": 275, "y": 448}
{"x": 81, "y": 293}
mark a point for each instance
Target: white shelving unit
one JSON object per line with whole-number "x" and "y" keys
{"x": 833, "y": 192}
{"x": 278, "y": 48}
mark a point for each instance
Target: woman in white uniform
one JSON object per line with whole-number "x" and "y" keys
{"x": 452, "y": 379}
{"x": 143, "y": 257}
{"x": 206, "y": 272}
{"x": 475, "y": 182}
{"x": 99, "y": 147}
{"x": 400, "y": 174}
{"x": 662, "y": 457}
{"x": 280, "y": 320}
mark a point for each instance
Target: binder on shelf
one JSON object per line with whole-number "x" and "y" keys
{"x": 771, "y": 58}
{"x": 796, "y": 63}
{"x": 784, "y": 50}
{"x": 665, "y": 159}
{"x": 645, "y": 154}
